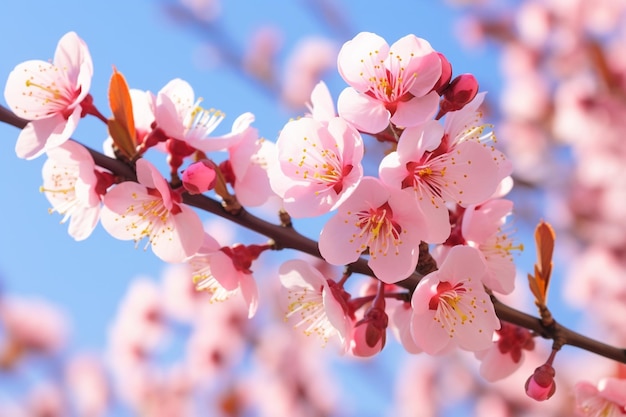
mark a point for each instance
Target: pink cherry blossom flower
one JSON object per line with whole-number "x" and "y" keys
{"x": 310, "y": 59}
{"x": 319, "y": 165}
{"x": 467, "y": 125}
{"x": 319, "y": 304}
{"x": 506, "y": 354}
{"x": 385, "y": 220}
{"x": 225, "y": 271}
{"x": 482, "y": 229}
{"x": 607, "y": 399}
{"x": 74, "y": 187}
{"x": 179, "y": 115}
{"x": 463, "y": 174}
{"x": 32, "y": 325}
{"x": 388, "y": 83}
{"x": 50, "y": 96}
{"x": 261, "y": 53}
{"x": 151, "y": 209}
{"x": 217, "y": 342}
{"x": 250, "y": 159}
{"x": 88, "y": 384}
{"x": 451, "y": 307}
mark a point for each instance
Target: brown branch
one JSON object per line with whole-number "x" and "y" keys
{"x": 288, "y": 237}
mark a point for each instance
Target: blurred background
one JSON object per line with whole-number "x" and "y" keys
{"x": 554, "y": 72}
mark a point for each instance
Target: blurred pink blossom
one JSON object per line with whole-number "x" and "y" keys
{"x": 88, "y": 384}
{"x": 607, "y": 399}
{"x": 31, "y": 325}
{"x": 306, "y": 65}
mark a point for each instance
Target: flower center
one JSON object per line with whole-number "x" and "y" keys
{"x": 201, "y": 120}
{"x": 382, "y": 231}
{"x": 451, "y": 304}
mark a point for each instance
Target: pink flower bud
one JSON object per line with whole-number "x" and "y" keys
{"x": 540, "y": 386}
{"x": 446, "y": 75}
{"x": 199, "y": 177}
{"x": 461, "y": 91}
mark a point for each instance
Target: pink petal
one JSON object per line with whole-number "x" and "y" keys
{"x": 435, "y": 210}
{"x": 358, "y": 55}
{"x": 419, "y": 57}
{"x": 223, "y": 270}
{"x": 322, "y": 104}
{"x": 42, "y": 134}
{"x": 335, "y": 313}
{"x": 362, "y": 111}
{"x": 117, "y": 202}
{"x": 84, "y": 222}
{"x": 298, "y": 273}
{"x": 173, "y": 102}
{"x": 475, "y": 173}
{"x": 495, "y": 365}
{"x": 462, "y": 262}
{"x": 614, "y": 390}
{"x": 339, "y": 242}
{"x": 250, "y": 293}
{"x": 73, "y": 56}
{"x": 182, "y": 238}
{"x": 480, "y": 223}
{"x": 416, "y": 111}
{"x": 394, "y": 267}
{"x": 428, "y": 334}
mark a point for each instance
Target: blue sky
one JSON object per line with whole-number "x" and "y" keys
{"x": 37, "y": 256}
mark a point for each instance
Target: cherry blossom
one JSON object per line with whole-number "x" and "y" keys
{"x": 319, "y": 165}
{"x": 386, "y": 221}
{"x": 31, "y": 325}
{"x": 319, "y": 304}
{"x": 179, "y": 115}
{"x": 482, "y": 229}
{"x": 463, "y": 174}
{"x": 151, "y": 209}
{"x": 250, "y": 159}
{"x": 388, "y": 83}
{"x": 74, "y": 187}
{"x": 506, "y": 354}
{"x": 50, "y": 96}
{"x": 450, "y": 306}
{"x": 607, "y": 399}
{"x": 224, "y": 271}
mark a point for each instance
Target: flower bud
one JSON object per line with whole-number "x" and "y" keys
{"x": 446, "y": 75}
{"x": 199, "y": 177}
{"x": 541, "y": 386}
{"x": 461, "y": 91}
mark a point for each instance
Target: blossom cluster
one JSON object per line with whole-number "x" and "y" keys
{"x": 429, "y": 221}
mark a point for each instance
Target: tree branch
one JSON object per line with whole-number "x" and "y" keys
{"x": 288, "y": 237}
